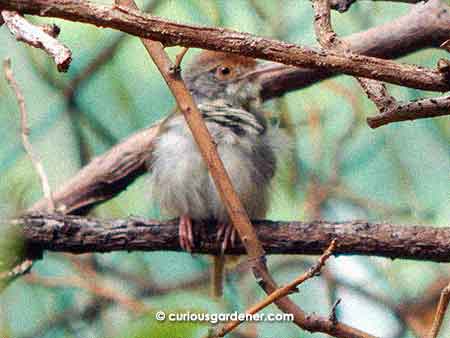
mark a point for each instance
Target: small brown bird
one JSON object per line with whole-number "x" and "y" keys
{"x": 227, "y": 93}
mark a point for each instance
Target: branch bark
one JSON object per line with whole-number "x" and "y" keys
{"x": 171, "y": 33}
{"x": 38, "y": 37}
{"x": 75, "y": 234}
{"x": 440, "y": 312}
{"x": 420, "y": 109}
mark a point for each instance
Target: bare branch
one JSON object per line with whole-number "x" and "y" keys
{"x": 38, "y": 37}
{"x": 446, "y": 45}
{"x": 333, "y": 316}
{"x": 22, "y": 268}
{"x": 26, "y": 265}
{"x": 375, "y": 90}
{"x": 420, "y": 109}
{"x": 283, "y": 291}
{"x": 179, "y": 58}
{"x": 75, "y": 234}
{"x": 171, "y": 33}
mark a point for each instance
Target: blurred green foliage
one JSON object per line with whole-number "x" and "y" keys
{"x": 398, "y": 173}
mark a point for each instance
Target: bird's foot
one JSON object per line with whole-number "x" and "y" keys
{"x": 185, "y": 233}
{"x": 229, "y": 234}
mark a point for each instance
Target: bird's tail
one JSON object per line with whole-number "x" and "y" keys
{"x": 217, "y": 275}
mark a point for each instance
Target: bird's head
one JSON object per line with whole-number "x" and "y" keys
{"x": 216, "y": 75}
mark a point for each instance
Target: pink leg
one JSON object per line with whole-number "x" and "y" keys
{"x": 229, "y": 236}
{"x": 185, "y": 233}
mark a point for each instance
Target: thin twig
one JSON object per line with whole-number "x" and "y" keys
{"x": 440, "y": 312}
{"x": 179, "y": 58}
{"x": 333, "y": 314}
{"x": 22, "y": 268}
{"x": 283, "y": 291}
{"x": 25, "y": 133}
{"x": 38, "y": 37}
{"x": 446, "y": 45}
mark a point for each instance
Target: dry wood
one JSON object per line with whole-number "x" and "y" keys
{"x": 76, "y": 234}
{"x": 39, "y": 37}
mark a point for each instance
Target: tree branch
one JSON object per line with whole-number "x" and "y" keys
{"x": 420, "y": 109}
{"x": 440, "y": 312}
{"x": 171, "y": 33}
{"x": 38, "y": 37}
{"x": 65, "y": 233}
{"x": 284, "y": 290}
{"x": 24, "y": 133}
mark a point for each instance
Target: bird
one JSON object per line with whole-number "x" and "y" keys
{"x": 227, "y": 93}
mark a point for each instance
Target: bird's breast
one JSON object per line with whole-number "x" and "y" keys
{"x": 181, "y": 181}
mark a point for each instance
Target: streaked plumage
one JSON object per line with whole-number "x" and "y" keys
{"x": 181, "y": 182}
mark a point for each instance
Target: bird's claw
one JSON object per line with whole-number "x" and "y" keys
{"x": 228, "y": 232}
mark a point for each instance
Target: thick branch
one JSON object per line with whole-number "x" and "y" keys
{"x": 81, "y": 235}
{"x": 171, "y": 33}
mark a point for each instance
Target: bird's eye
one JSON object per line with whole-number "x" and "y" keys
{"x": 223, "y": 72}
